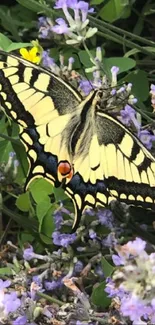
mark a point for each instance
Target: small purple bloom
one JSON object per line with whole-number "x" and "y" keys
{"x": 11, "y": 302}
{"x": 112, "y": 290}
{"x": 52, "y": 285}
{"x": 136, "y": 246}
{"x": 105, "y": 217}
{"x": 60, "y": 4}
{"x": 147, "y": 138}
{"x": 47, "y": 61}
{"x": 128, "y": 115}
{"x": 132, "y": 307}
{"x": 61, "y": 27}
{"x": 110, "y": 240}
{"x": 63, "y": 239}
{"x": 152, "y": 92}
{"x": 78, "y": 267}
{"x": 21, "y": 320}
{"x": 4, "y": 284}
{"x": 117, "y": 260}
{"x": 99, "y": 271}
{"x": 45, "y": 27}
{"x": 92, "y": 234}
{"x": 28, "y": 253}
{"x": 85, "y": 86}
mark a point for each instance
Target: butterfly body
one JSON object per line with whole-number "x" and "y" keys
{"x": 72, "y": 142}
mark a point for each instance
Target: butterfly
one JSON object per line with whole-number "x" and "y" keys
{"x": 71, "y": 142}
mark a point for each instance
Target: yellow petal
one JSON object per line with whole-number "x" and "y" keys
{"x": 24, "y": 53}
{"x": 33, "y": 52}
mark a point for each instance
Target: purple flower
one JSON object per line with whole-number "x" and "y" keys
{"x": 21, "y": 320}
{"x": 136, "y": 247}
{"x": 78, "y": 267}
{"x": 110, "y": 240}
{"x": 47, "y": 61}
{"x": 152, "y": 91}
{"x": 105, "y": 217}
{"x": 52, "y": 285}
{"x": 45, "y": 27}
{"x": 61, "y": 27}
{"x": 10, "y": 302}
{"x": 85, "y": 86}
{"x": 112, "y": 290}
{"x": 128, "y": 115}
{"x": 63, "y": 239}
{"x": 4, "y": 284}
{"x": 99, "y": 271}
{"x": 60, "y": 4}
{"x": 117, "y": 260}
{"x": 132, "y": 307}
{"x": 58, "y": 216}
{"x": 58, "y": 219}
{"x": 82, "y": 6}
{"x": 28, "y": 253}
{"x": 92, "y": 234}
{"x": 146, "y": 138}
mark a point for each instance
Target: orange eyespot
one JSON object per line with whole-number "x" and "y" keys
{"x": 65, "y": 171}
{"x": 64, "y": 168}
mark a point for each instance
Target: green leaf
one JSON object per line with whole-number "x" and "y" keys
{"x": 15, "y": 46}
{"x": 114, "y": 10}
{"x": 48, "y": 226}
{"x": 96, "y": 2}
{"x": 40, "y": 189}
{"x": 99, "y": 296}
{"x": 85, "y": 59}
{"x": 124, "y": 64}
{"x": 107, "y": 267}
{"x": 4, "y": 42}
{"x": 59, "y": 194}
{"x": 5, "y": 149}
{"x": 23, "y": 202}
{"x": 5, "y": 271}
{"x": 36, "y": 6}
{"x": 135, "y": 51}
{"x": 140, "y": 84}
{"x": 8, "y": 23}
{"x": 42, "y": 208}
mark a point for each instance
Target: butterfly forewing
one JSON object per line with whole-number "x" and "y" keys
{"x": 42, "y": 104}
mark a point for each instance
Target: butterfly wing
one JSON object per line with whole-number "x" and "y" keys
{"x": 109, "y": 163}
{"x": 43, "y": 105}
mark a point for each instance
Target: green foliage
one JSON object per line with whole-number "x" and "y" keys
{"x": 99, "y": 296}
{"x": 115, "y": 9}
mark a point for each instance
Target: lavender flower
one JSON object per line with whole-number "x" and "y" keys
{"x": 8, "y": 303}
{"x": 128, "y": 116}
{"x": 78, "y": 267}
{"x": 147, "y": 138}
{"x": 61, "y": 27}
{"x": 47, "y": 61}
{"x": 114, "y": 72}
{"x": 45, "y": 27}
{"x": 63, "y": 239}
{"x": 22, "y": 320}
{"x": 137, "y": 279}
{"x": 105, "y": 217}
{"x": 4, "y": 284}
{"x": 85, "y": 86}
{"x": 76, "y": 27}
{"x": 92, "y": 234}
{"x": 53, "y": 285}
